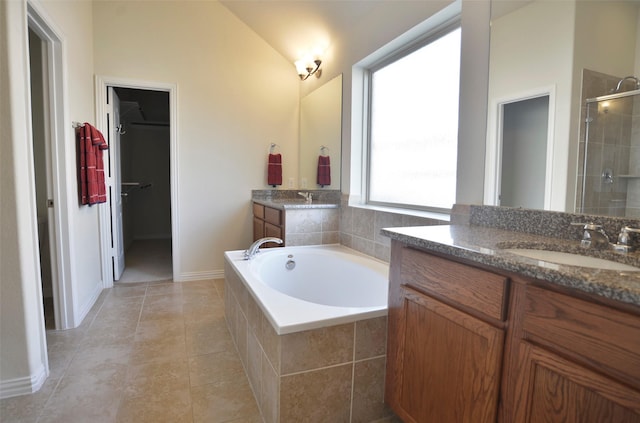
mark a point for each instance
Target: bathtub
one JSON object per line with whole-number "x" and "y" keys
{"x": 309, "y": 318}
{"x": 309, "y": 287}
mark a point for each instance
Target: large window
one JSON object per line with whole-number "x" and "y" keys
{"x": 413, "y": 126}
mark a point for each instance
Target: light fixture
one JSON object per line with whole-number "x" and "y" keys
{"x": 306, "y": 68}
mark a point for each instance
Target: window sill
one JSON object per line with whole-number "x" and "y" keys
{"x": 445, "y": 217}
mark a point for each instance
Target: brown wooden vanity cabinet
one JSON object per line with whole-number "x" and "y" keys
{"x": 445, "y": 339}
{"x": 268, "y": 222}
{"x": 570, "y": 360}
{"x": 469, "y": 345}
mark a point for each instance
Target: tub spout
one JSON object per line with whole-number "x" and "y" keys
{"x": 255, "y": 247}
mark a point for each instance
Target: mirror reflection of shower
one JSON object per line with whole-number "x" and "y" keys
{"x": 611, "y": 149}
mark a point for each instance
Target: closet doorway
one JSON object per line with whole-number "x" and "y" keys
{"x": 140, "y": 188}
{"x": 42, "y": 167}
{"x": 524, "y": 153}
{"x": 520, "y": 151}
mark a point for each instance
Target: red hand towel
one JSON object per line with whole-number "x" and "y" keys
{"x": 274, "y": 170}
{"x": 92, "y": 181}
{"x": 324, "y": 171}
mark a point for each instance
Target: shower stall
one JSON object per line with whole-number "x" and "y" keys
{"x": 610, "y": 174}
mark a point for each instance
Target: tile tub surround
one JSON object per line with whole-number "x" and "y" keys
{"x": 360, "y": 228}
{"x": 332, "y": 374}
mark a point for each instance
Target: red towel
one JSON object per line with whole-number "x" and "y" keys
{"x": 324, "y": 171}
{"x": 92, "y": 186}
{"x": 274, "y": 170}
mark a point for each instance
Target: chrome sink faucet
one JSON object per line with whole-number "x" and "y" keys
{"x": 250, "y": 252}
{"x": 307, "y": 196}
{"x": 594, "y": 236}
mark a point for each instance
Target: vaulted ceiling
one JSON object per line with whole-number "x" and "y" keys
{"x": 298, "y": 27}
{"x": 294, "y": 27}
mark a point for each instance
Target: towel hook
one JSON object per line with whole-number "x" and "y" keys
{"x": 324, "y": 150}
{"x": 272, "y": 147}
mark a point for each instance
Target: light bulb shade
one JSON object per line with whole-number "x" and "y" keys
{"x": 308, "y": 67}
{"x": 301, "y": 67}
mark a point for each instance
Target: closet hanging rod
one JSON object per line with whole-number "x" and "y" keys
{"x": 150, "y": 123}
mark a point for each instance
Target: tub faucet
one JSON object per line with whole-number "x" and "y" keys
{"x": 250, "y": 252}
{"x": 307, "y": 196}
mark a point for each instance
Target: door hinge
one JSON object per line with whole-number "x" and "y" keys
{"x": 49, "y": 203}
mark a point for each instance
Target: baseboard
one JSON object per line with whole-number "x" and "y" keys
{"x": 199, "y": 276}
{"x": 86, "y": 307}
{"x": 23, "y": 385}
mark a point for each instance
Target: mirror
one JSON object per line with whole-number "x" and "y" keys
{"x": 321, "y": 134}
{"x": 564, "y": 53}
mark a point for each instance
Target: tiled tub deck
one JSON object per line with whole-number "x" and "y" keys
{"x": 332, "y": 374}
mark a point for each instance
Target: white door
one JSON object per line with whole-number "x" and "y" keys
{"x": 115, "y": 185}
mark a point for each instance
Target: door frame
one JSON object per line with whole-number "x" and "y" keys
{"x": 101, "y": 84}
{"x": 56, "y": 132}
{"x": 493, "y": 154}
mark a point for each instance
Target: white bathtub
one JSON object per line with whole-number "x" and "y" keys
{"x": 329, "y": 285}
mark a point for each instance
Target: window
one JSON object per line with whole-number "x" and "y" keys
{"x": 413, "y": 125}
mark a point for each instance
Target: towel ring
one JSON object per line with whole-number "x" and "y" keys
{"x": 272, "y": 147}
{"x": 324, "y": 150}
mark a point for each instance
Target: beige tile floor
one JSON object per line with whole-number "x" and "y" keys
{"x": 148, "y": 260}
{"x": 147, "y": 352}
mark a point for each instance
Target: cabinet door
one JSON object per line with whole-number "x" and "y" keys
{"x": 562, "y": 391}
{"x": 272, "y": 231}
{"x": 273, "y": 216}
{"x": 446, "y": 365}
{"x": 258, "y": 228}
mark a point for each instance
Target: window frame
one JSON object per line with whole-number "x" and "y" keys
{"x": 422, "y": 41}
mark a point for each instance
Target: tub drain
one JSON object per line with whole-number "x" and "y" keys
{"x": 290, "y": 265}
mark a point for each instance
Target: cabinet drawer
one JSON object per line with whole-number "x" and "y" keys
{"x": 273, "y": 216}
{"x": 258, "y": 211}
{"x": 606, "y": 338}
{"x": 468, "y": 286}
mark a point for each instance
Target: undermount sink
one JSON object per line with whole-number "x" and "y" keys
{"x": 572, "y": 259}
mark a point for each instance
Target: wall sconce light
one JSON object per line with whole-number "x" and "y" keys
{"x": 306, "y": 68}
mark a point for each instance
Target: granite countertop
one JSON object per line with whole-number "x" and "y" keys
{"x": 289, "y": 204}
{"x": 486, "y": 245}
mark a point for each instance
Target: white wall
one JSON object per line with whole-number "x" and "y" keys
{"x": 22, "y": 333}
{"x": 74, "y": 22}
{"x": 235, "y": 95}
{"x": 532, "y": 52}
{"x": 23, "y": 358}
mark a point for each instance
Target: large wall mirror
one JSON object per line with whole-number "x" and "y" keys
{"x": 321, "y": 134}
{"x": 553, "y": 142}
